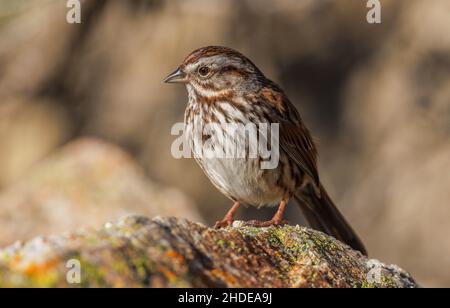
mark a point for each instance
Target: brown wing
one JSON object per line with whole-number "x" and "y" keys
{"x": 295, "y": 138}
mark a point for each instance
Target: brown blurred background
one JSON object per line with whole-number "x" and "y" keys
{"x": 376, "y": 97}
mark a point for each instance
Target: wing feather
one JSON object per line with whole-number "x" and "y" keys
{"x": 295, "y": 138}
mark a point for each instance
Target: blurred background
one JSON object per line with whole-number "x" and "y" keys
{"x": 85, "y": 120}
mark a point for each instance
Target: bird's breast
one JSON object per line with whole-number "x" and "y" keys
{"x": 224, "y": 141}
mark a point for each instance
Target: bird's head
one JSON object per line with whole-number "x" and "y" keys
{"x": 213, "y": 69}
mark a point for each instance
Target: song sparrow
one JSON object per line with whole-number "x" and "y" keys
{"x": 226, "y": 87}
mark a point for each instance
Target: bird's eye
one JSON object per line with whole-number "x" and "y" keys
{"x": 203, "y": 71}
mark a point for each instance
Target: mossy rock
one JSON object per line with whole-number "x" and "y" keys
{"x": 169, "y": 252}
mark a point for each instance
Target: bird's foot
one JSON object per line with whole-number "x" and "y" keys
{"x": 263, "y": 224}
{"x": 223, "y": 223}
{"x": 228, "y": 219}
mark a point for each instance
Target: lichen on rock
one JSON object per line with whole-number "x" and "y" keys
{"x": 169, "y": 252}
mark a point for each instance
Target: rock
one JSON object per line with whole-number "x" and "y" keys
{"x": 29, "y": 131}
{"x": 170, "y": 252}
{"x": 85, "y": 183}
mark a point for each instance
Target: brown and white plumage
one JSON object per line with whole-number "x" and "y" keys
{"x": 226, "y": 87}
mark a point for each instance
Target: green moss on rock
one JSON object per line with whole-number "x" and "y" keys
{"x": 168, "y": 252}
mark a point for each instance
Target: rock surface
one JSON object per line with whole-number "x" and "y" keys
{"x": 170, "y": 252}
{"x": 85, "y": 183}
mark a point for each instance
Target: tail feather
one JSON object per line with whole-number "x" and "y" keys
{"x": 322, "y": 215}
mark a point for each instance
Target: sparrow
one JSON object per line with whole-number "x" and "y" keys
{"x": 225, "y": 88}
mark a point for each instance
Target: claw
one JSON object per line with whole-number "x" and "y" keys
{"x": 228, "y": 220}
{"x": 223, "y": 224}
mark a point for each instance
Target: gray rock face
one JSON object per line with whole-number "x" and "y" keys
{"x": 170, "y": 252}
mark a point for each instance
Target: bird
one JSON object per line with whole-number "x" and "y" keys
{"x": 226, "y": 88}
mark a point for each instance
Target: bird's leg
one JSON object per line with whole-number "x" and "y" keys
{"x": 228, "y": 219}
{"x": 277, "y": 219}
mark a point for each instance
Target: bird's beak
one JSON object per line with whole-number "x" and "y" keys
{"x": 176, "y": 77}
